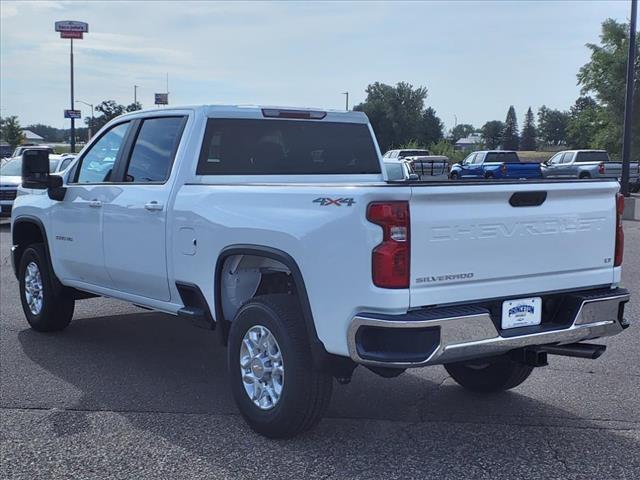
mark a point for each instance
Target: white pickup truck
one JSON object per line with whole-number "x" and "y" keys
{"x": 278, "y": 228}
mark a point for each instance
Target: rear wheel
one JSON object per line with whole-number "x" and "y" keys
{"x": 275, "y": 386}
{"x": 489, "y": 375}
{"x": 584, "y": 175}
{"x": 46, "y": 308}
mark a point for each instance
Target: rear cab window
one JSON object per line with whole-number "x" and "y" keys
{"x": 502, "y": 157}
{"x": 584, "y": 157}
{"x": 286, "y": 147}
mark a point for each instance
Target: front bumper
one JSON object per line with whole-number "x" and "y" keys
{"x": 451, "y": 334}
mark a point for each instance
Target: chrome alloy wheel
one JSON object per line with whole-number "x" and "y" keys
{"x": 33, "y": 288}
{"x": 262, "y": 367}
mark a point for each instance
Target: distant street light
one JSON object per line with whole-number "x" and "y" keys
{"x": 346, "y": 94}
{"x": 135, "y": 94}
{"x": 628, "y": 106}
{"x": 89, "y": 135}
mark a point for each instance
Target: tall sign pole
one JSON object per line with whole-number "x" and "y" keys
{"x": 72, "y": 30}
{"x": 73, "y": 120}
{"x": 628, "y": 106}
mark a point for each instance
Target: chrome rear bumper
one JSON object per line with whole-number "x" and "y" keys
{"x": 469, "y": 332}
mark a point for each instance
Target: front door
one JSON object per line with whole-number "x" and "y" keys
{"x": 135, "y": 222}
{"x": 77, "y": 220}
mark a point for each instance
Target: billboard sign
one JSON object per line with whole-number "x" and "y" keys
{"x": 71, "y": 34}
{"x": 72, "y": 26}
{"x": 72, "y": 114}
{"x": 162, "y": 99}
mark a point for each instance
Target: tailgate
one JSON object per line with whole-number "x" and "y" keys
{"x": 523, "y": 170}
{"x": 468, "y": 242}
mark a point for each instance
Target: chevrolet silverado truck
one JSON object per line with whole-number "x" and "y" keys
{"x": 586, "y": 164}
{"x": 498, "y": 164}
{"x": 279, "y": 228}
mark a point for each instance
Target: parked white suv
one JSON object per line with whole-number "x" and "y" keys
{"x": 279, "y": 228}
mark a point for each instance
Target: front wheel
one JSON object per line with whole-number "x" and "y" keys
{"x": 454, "y": 176}
{"x": 489, "y": 375}
{"x": 273, "y": 381}
{"x": 46, "y": 309}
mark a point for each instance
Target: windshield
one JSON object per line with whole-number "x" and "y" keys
{"x": 13, "y": 168}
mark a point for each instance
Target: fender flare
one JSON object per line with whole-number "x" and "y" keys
{"x": 318, "y": 350}
{"x": 38, "y": 223}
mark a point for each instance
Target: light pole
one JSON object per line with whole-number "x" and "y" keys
{"x": 89, "y": 133}
{"x": 135, "y": 94}
{"x": 628, "y": 105}
{"x": 346, "y": 106}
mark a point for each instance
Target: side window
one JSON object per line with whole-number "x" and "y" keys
{"x": 394, "y": 154}
{"x": 469, "y": 159}
{"x": 65, "y": 163}
{"x": 566, "y": 158}
{"x": 555, "y": 159}
{"x": 154, "y": 149}
{"x": 97, "y": 163}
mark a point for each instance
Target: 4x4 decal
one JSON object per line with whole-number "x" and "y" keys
{"x": 326, "y": 201}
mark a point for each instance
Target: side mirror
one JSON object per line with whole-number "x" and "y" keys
{"x": 414, "y": 177}
{"x": 35, "y": 169}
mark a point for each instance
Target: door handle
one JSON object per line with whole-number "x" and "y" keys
{"x": 153, "y": 206}
{"x": 95, "y": 203}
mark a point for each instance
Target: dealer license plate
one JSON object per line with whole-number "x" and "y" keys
{"x": 522, "y": 312}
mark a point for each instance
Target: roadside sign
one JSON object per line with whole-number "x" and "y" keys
{"x": 72, "y": 114}
{"x": 72, "y": 26}
{"x": 162, "y": 99}
{"x": 71, "y": 34}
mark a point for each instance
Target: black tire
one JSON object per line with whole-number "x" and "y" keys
{"x": 306, "y": 392}
{"x": 489, "y": 375}
{"x": 584, "y": 175}
{"x": 56, "y": 310}
{"x": 488, "y": 175}
{"x": 454, "y": 176}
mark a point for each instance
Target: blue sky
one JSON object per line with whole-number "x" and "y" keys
{"x": 476, "y": 58}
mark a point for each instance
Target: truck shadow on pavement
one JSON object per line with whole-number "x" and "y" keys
{"x": 168, "y": 379}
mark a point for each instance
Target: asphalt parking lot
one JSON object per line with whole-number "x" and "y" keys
{"x": 126, "y": 393}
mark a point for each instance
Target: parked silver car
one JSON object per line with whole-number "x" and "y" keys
{"x": 586, "y": 164}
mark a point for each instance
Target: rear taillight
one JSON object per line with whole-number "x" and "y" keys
{"x": 601, "y": 168}
{"x": 390, "y": 259}
{"x": 619, "y": 231}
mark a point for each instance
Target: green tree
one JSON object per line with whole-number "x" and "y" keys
{"x": 587, "y": 123}
{"x": 492, "y": 134}
{"x": 510, "y": 135}
{"x": 604, "y": 76}
{"x": 398, "y": 116}
{"x": 11, "y": 131}
{"x": 528, "y": 139}
{"x": 108, "y": 110}
{"x": 461, "y": 130}
{"x": 430, "y": 128}
{"x": 552, "y": 125}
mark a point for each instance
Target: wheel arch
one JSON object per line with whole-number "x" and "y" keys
{"x": 222, "y": 324}
{"x": 26, "y": 230}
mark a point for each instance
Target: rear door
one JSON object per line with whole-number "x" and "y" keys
{"x": 468, "y": 241}
{"x": 135, "y": 221}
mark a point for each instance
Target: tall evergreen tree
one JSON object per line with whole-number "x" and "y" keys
{"x": 529, "y": 133}
{"x": 510, "y": 137}
{"x": 11, "y": 131}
